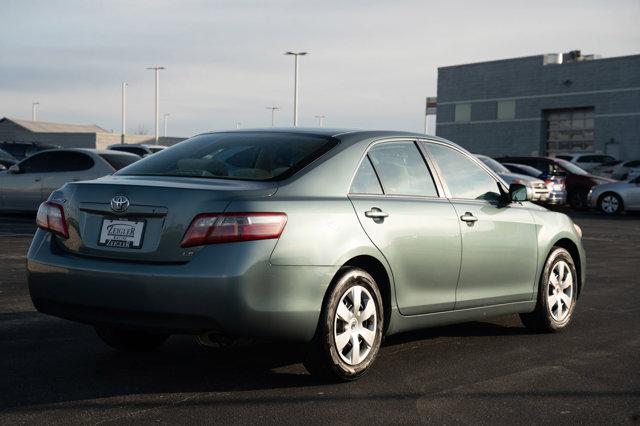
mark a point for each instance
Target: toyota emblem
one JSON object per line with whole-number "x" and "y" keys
{"x": 119, "y": 203}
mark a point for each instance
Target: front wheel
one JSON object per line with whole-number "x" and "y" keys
{"x": 349, "y": 332}
{"x": 130, "y": 340}
{"x": 610, "y": 204}
{"x": 557, "y": 294}
{"x": 578, "y": 200}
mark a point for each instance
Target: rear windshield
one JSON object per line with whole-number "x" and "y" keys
{"x": 240, "y": 156}
{"x": 119, "y": 161}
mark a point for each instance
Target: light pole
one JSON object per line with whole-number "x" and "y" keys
{"x": 238, "y": 124}
{"x": 124, "y": 111}
{"x": 273, "y": 114}
{"x": 320, "y": 120}
{"x": 295, "y": 86}
{"x": 34, "y": 110}
{"x": 157, "y": 70}
{"x": 166, "y": 118}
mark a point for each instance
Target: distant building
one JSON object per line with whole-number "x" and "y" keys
{"x": 542, "y": 105}
{"x": 69, "y": 135}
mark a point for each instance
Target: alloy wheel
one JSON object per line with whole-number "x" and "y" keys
{"x": 560, "y": 291}
{"x": 610, "y": 204}
{"x": 355, "y": 324}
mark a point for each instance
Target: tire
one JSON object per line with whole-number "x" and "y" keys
{"x": 543, "y": 319}
{"x": 331, "y": 354}
{"x": 610, "y": 203}
{"x": 578, "y": 200}
{"x": 130, "y": 340}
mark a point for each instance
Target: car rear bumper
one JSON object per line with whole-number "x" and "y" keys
{"x": 229, "y": 288}
{"x": 556, "y": 198}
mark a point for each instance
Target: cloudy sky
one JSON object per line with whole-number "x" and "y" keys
{"x": 371, "y": 63}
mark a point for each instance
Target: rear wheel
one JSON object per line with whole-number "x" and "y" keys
{"x": 130, "y": 340}
{"x": 350, "y": 328}
{"x": 557, "y": 294}
{"x": 610, "y": 203}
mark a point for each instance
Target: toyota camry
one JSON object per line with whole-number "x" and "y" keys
{"x": 334, "y": 238}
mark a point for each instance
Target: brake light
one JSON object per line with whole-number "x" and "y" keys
{"x": 51, "y": 218}
{"x": 212, "y": 228}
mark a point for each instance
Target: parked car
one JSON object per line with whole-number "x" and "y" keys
{"x": 606, "y": 169}
{"x": 614, "y": 198}
{"x": 28, "y": 183}
{"x": 586, "y": 161}
{"x": 7, "y": 160}
{"x": 331, "y": 237}
{"x": 537, "y": 186}
{"x": 139, "y": 149}
{"x": 577, "y": 181}
{"x": 624, "y": 170}
{"x": 555, "y": 183}
{"x": 22, "y": 150}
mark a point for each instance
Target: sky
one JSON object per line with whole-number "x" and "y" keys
{"x": 370, "y": 63}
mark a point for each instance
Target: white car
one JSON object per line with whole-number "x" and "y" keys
{"x": 614, "y": 198}
{"x": 538, "y": 186}
{"x": 626, "y": 170}
{"x": 587, "y": 162}
{"x": 28, "y": 183}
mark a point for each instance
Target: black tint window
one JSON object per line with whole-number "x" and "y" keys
{"x": 119, "y": 161}
{"x": 464, "y": 178}
{"x": 366, "y": 181}
{"x": 402, "y": 169}
{"x": 69, "y": 161}
{"x": 138, "y": 150}
{"x": 241, "y": 155}
{"x": 634, "y": 163}
{"x": 36, "y": 163}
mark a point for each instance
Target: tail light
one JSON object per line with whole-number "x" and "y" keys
{"x": 51, "y": 218}
{"x": 212, "y": 228}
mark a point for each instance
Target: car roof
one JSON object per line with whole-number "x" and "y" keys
{"x": 89, "y": 150}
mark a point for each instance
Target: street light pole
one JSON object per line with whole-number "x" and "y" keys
{"x": 238, "y": 124}
{"x": 273, "y": 114}
{"x": 157, "y": 70}
{"x": 295, "y": 85}
{"x": 320, "y": 120}
{"x": 124, "y": 111}
{"x": 34, "y": 111}
{"x": 166, "y": 118}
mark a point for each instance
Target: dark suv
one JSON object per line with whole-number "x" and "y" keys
{"x": 22, "y": 150}
{"x": 577, "y": 181}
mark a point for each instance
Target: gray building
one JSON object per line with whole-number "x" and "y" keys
{"x": 542, "y": 105}
{"x": 69, "y": 135}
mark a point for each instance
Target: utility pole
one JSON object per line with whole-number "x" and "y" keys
{"x": 320, "y": 120}
{"x": 34, "y": 110}
{"x": 166, "y": 118}
{"x": 295, "y": 85}
{"x": 273, "y": 114}
{"x": 238, "y": 124}
{"x": 157, "y": 70}
{"x": 124, "y": 111}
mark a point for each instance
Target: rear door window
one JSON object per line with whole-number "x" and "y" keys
{"x": 66, "y": 161}
{"x": 402, "y": 170}
{"x": 119, "y": 161}
{"x": 365, "y": 180}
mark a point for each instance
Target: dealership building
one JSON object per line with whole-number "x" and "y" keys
{"x": 542, "y": 105}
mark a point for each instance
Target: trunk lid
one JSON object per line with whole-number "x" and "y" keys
{"x": 160, "y": 209}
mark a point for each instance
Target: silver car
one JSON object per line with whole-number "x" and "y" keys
{"x": 28, "y": 183}
{"x": 538, "y": 186}
{"x": 614, "y": 198}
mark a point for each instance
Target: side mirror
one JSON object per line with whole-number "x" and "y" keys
{"x": 2, "y": 167}
{"x": 14, "y": 169}
{"x": 519, "y": 192}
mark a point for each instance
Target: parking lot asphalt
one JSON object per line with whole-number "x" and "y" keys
{"x": 490, "y": 372}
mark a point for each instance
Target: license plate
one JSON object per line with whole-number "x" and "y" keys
{"x": 121, "y": 233}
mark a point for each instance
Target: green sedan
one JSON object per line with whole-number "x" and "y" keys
{"x": 335, "y": 238}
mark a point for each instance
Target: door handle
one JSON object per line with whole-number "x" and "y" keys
{"x": 469, "y": 218}
{"x": 376, "y": 213}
